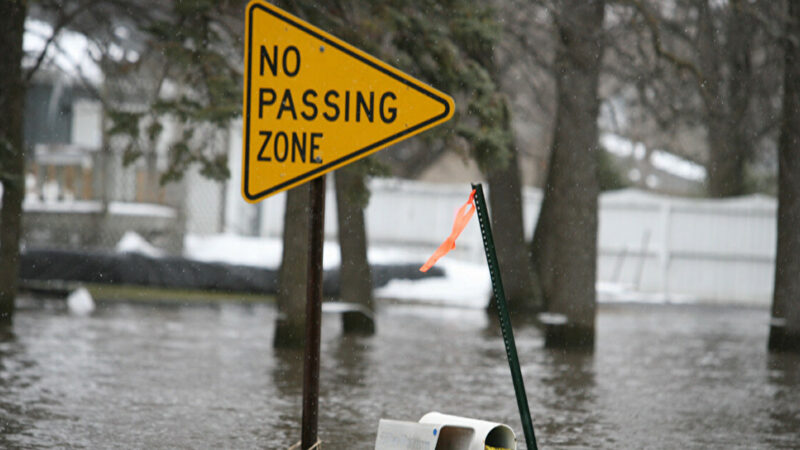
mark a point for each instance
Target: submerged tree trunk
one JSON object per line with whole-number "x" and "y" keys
{"x": 355, "y": 274}
{"x": 564, "y": 248}
{"x": 784, "y": 333}
{"x": 12, "y": 156}
{"x": 505, "y": 200}
{"x": 291, "y": 299}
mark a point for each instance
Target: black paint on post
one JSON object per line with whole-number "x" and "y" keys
{"x": 505, "y": 320}
{"x": 313, "y": 314}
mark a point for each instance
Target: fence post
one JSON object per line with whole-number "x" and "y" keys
{"x": 665, "y": 253}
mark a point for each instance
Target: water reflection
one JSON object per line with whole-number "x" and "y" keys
{"x": 288, "y": 363}
{"x": 348, "y": 382}
{"x": 197, "y": 377}
{"x": 9, "y": 423}
{"x": 350, "y": 356}
{"x": 569, "y": 386}
{"x": 784, "y": 369}
{"x": 783, "y": 376}
{"x": 286, "y": 400}
{"x": 25, "y": 401}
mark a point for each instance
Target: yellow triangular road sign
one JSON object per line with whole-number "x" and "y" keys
{"x": 314, "y": 103}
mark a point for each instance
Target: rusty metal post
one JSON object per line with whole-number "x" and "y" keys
{"x": 313, "y": 314}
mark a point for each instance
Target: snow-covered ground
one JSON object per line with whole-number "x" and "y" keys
{"x": 465, "y": 284}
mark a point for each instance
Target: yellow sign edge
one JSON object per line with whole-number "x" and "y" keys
{"x": 446, "y": 100}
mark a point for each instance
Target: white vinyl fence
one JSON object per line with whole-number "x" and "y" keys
{"x": 712, "y": 250}
{"x": 676, "y": 248}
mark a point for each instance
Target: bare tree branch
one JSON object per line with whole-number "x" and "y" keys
{"x": 680, "y": 63}
{"x": 61, "y": 23}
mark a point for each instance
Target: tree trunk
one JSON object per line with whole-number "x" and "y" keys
{"x": 784, "y": 333}
{"x": 519, "y": 278}
{"x": 355, "y": 275}
{"x": 726, "y": 158}
{"x": 727, "y": 98}
{"x": 564, "y": 248}
{"x": 291, "y": 299}
{"x": 12, "y": 156}
{"x": 520, "y": 281}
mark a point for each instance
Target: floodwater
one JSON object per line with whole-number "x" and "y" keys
{"x": 135, "y": 376}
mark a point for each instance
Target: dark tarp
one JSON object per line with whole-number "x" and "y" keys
{"x": 180, "y": 273}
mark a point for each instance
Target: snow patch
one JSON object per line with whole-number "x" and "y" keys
{"x": 34, "y": 204}
{"x": 141, "y": 209}
{"x": 132, "y": 242}
{"x": 660, "y": 159}
{"x": 465, "y": 284}
{"x": 678, "y": 166}
{"x": 552, "y": 318}
{"x": 80, "y": 302}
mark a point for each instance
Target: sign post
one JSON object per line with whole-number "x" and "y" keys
{"x": 313, "y": 314}
{"x": 312, "y": 104}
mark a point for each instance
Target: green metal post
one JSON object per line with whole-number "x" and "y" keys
{"x": 505, "y": 320}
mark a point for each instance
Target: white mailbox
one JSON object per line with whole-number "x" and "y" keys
{"x": 436, "y": 431}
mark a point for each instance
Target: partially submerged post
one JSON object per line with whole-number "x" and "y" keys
{"x": 505, "y": 320}
{"x": 313, "y": 313}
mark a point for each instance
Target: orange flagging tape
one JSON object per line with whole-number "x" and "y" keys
{"x": 463, "y": 215}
